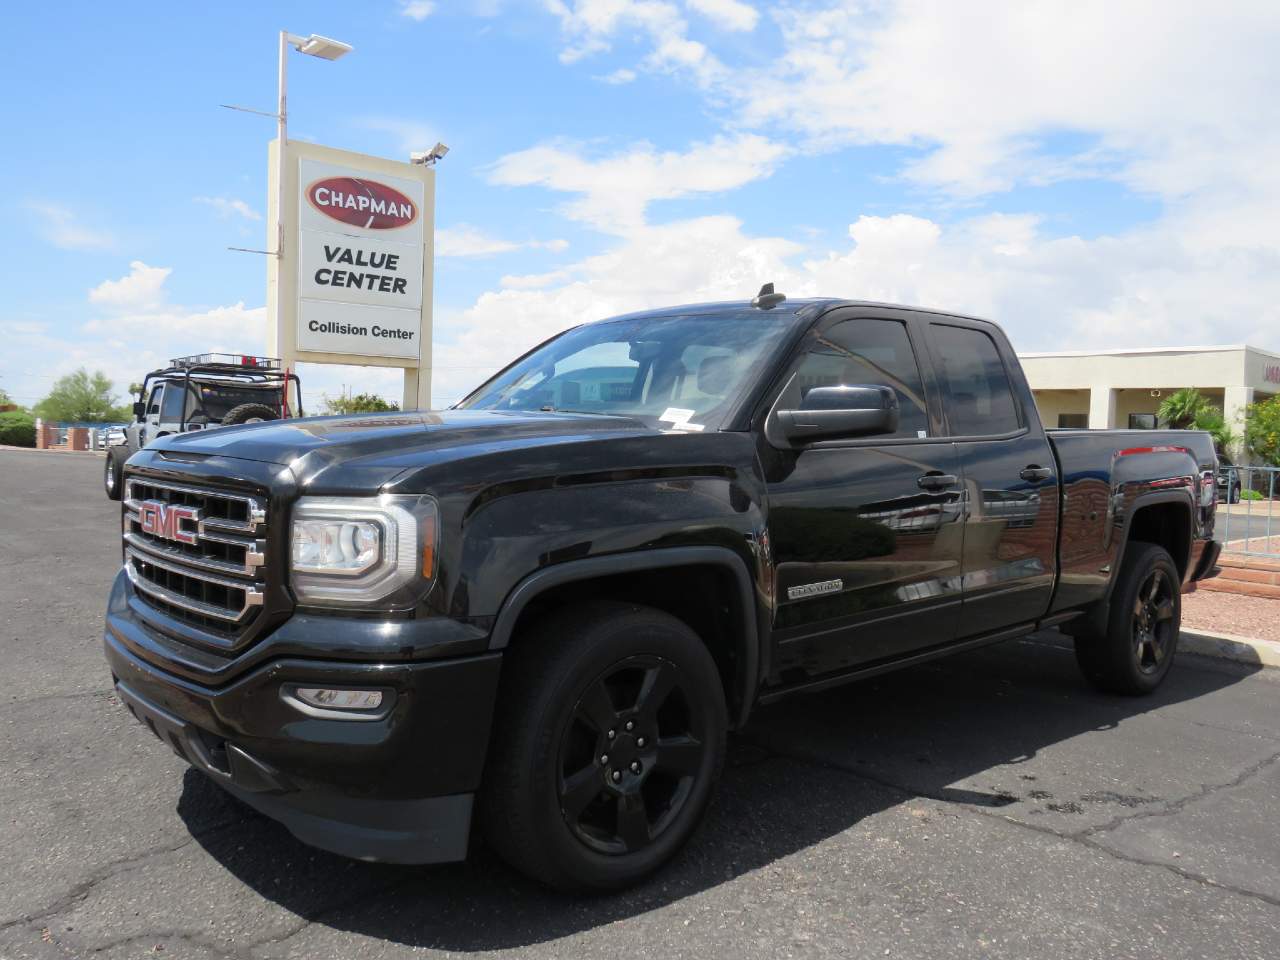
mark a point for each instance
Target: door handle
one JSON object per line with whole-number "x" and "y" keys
{"x": 936, "y": 481}
{"x": 1035, "y": 473}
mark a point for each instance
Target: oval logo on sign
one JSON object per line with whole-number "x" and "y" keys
{"x": 362, "y": 203}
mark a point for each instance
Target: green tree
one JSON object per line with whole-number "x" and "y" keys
{"x": 1179, "y": 410}
{"x": 358, "y": 403}
{"x": 81, "y": 397}
{"x": 1262, "y": 430}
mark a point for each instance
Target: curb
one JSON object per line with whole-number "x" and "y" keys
{"x": 1227, "y": 646}
{"x": 6, "y": 448}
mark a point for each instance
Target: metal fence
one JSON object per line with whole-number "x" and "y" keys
{"x": 1248, "y": 513}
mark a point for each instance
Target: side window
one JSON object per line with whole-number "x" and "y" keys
{"x": 979, "y": 398}
{"x": 153, "y": 405}
{"x": 171, "y": 408}
{"x": 866, "y": 351}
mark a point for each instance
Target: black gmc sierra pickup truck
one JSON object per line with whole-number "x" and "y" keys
{"x": 550, "y": 602}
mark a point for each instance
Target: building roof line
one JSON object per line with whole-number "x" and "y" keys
{"x": 1142, "y": 351}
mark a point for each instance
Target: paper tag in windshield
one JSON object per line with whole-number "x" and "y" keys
{"x": 679, "y": 418}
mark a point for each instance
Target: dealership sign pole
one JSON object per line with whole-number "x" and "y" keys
{"x": 352, "y": 281}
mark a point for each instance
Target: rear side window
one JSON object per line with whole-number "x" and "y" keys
{"x": 979, "y": 397}
{"x": 865, "y": 351}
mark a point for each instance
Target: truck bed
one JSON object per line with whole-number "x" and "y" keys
{"x": 1103, "y": 472}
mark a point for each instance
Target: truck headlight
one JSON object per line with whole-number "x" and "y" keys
{"x": 354, "y": 550}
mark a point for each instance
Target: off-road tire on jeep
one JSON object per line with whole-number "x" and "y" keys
{"x": 111, "y": 477}
{"x": 249, "y": 413}
{"x": 1135, "y": 653}
{"x": 606, "y": 747}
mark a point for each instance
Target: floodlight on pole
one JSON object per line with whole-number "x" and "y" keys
{"x": 313, "y": 46}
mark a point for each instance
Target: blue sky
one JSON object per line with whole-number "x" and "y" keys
{"x": 1042, "y": 167}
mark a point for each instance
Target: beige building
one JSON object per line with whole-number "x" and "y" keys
{"x": 1123, "y": 388}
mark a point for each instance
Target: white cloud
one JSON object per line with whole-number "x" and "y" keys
{"x": 708, "y": 258}
{"x": 619, "y": 77}
{"x": 1040, "y": 91}
{"x": 143, "y": 287}
{"x": 1144, "y": 287}
{"x": 416, "y": 9}
{"x": 727, "y": 14}
{"x": 591, "y": 26}
{"x": 226, "y": 207}
{"x": 61, "y": 227}
{"x": 616, "y": 190}
{"x": 464, "y": 240}
{"x": 409, "y": 135}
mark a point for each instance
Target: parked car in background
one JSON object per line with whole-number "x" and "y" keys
{"x": 549, "y": 603}
{"x": 200, "y": 393}
{"x": 1228, "y": 480}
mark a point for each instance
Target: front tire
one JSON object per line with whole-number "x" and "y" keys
{"x": 1135, "y": 653}
{"x": 606, "y": 748}
{"x": 111, "y": 478}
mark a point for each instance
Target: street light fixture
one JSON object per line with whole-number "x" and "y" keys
{"x": 312, "y": 46}
{"x": 322, "y": 47}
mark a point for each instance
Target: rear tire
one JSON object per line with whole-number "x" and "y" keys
{"x": 112, "y": 479}
{"x": 1135, "y": 653}
{"x": 249, "y": 413}
{"x": 607, "y": 745}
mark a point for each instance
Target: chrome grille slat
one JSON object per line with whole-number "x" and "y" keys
{"x": 252, "y": 594}
{"x": 152, "y": 547}
{"x": 215, "y": 584}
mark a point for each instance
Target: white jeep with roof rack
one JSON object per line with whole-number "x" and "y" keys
{"x": 201, "y": 392}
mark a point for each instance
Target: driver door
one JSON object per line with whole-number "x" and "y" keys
{"x": 866, "y": 533}
{"x": 150, "y": 427}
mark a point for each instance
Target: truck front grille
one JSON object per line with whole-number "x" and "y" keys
{"x": 210, "y": 575}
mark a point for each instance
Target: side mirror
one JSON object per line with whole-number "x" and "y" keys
{"x": 839, "y": 413}
{"x": 139, "y": 410}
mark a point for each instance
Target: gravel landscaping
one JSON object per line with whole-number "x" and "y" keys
{"x": 1231, "y": 613}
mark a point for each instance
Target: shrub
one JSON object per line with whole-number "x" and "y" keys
{"x": 1251, "y": 495}
{"x": 1262, "y": 430}
{"x": 359, "y": 403}
{"x": 17, "y": 429}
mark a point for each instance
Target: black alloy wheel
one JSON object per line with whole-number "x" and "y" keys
{"x": 607, "y": 743}
{"x": 1132, "y": 650}
{"x": 1153, "y": 621}
{"x": 629, "y": 755}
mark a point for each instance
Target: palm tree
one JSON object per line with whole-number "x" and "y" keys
{"x": 1215, "y": 424}
{"x": 1180, "y": 410}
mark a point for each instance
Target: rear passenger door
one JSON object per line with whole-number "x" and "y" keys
{"x": 1009, "y": 478}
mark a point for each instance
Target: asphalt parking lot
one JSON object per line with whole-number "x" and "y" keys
{"x": 990, "y": 805}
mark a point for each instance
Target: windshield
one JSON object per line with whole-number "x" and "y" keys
{"x": 215, "y": 401}
{"x": 678, "y": 370}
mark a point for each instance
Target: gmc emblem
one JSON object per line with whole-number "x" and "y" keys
{"x": 164, "y": 520}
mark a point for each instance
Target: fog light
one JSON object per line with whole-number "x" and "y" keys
{"x": 327, "y": 698}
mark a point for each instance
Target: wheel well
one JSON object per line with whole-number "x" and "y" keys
{"x": 703, "y": 596}
{"x": 1169, "y": 526}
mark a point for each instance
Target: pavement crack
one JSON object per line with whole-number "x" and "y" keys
{"x": 106, "y": 872}
{"x": 1172, "y": 807}
{"x": 1085, "y": 838}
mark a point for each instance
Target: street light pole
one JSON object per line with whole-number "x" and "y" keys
{"x": 282, "y": 133}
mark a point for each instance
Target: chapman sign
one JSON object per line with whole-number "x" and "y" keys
{"x": 359, "y": 262}
{"x": 353, "y": 282}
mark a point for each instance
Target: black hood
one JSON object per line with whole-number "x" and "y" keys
{"x": 390, "y": 442}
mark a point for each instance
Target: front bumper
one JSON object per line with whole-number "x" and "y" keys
{"x": 397, "y": 787}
